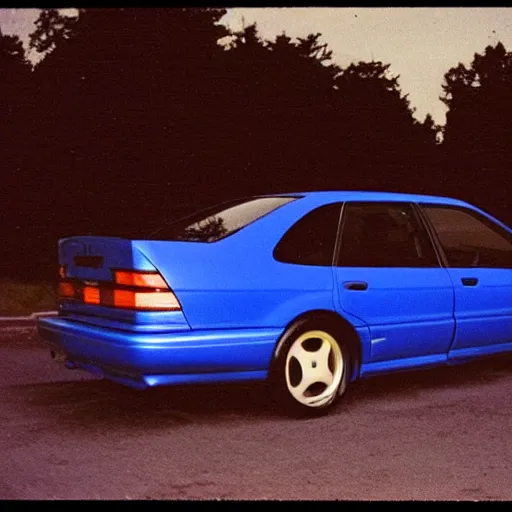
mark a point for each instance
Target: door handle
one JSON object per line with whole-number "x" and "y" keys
{"x": 356, "y": 285}
{"x": 469, "y": 281}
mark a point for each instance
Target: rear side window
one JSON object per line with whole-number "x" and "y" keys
{"x": 384, "y": 235}
{"x": 220, "y": 221}
{"x": 470, "y": 239}
{"x": 311, "y": 240}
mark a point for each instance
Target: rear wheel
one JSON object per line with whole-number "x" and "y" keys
{"x": 311, "y": 369}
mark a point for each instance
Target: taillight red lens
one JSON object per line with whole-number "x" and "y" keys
{"x": 66, "y": 290}
{"x": 91, "y": 295}
{"x": 142, "y": 279}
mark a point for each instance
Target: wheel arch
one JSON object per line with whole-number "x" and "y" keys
{"x": 335, "y": 321}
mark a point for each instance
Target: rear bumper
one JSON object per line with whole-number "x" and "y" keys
{"x": 144, "y": 360}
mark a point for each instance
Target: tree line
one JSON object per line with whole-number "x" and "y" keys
{"x": 133, "y": 116}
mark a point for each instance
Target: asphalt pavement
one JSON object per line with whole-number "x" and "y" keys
{"x": 441, "y": 434}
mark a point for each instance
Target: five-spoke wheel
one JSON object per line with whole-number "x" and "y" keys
{"x": 312, "y": 368}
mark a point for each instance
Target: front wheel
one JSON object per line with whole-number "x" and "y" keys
{"x": 311, "y": 370}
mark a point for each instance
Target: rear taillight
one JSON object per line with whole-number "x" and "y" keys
{"x": 66, "y": 290}
{"x": 146, "y": 300}
{"x": 139, "y": 279}
{"x": 142, "y": 291}
{"x": 91, "y": 295}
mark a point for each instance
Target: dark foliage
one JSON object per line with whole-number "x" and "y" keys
{"x": 136, "y": 115}
{"x": 477, "y": 135}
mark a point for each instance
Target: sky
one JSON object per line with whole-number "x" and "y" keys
{"x": 421, "y": 44}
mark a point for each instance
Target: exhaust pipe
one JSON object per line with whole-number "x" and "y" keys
{"x": 60, "y": 357}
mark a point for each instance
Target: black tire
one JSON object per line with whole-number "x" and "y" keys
{"x": 309, "y": 340}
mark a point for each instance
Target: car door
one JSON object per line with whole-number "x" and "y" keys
{"x": 478, "y": 253}
{"x": 389, "y": 275}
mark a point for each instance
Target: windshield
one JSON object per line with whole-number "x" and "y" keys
{"x": 220, "y": 221}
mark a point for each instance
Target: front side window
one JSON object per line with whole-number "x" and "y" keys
{"x": 311, "y": 240}
{"x": 221, "y": 220}
{"x": 384, "y": 235}
{"x": 469, "y": 239}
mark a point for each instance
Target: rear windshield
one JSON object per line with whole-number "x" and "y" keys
{"x": 220, "y": 221}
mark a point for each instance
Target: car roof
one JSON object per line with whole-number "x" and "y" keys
{"x": 358, "y": 195}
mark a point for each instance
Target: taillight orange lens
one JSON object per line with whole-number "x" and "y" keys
{"x": 142, "y": 279}
{"x": 62, "y": 272}
{"x": 91, "y": 295}
{"x": 161, "y": 301}
{"x": 149, "y": 292}
{"x": 66, "y": 290}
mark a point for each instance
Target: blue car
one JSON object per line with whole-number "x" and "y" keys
{"x": 308, "y": 291}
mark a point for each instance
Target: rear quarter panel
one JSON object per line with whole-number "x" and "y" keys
{"x": 236, "y": 283}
